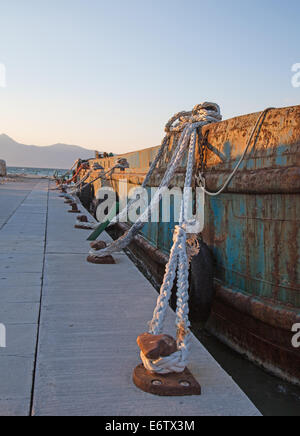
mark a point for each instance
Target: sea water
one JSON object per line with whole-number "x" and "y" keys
{"x": 36, "y": 172}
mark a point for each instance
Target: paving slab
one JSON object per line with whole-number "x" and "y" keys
{"x": 17, "y": 383}
{"x": 11, "y": 197}
{"x": 21, "y": 263}
{"x": 23, "y": 212}
{"x": 21, "y": 340}
{"x": 19, "y": 313}
{"x": 16, "y": 407}
{"x": 20, "y": 246}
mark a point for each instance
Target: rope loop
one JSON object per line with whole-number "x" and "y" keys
{"x": 204, "y": 112}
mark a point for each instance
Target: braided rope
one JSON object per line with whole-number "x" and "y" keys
{"x": 123, "y": 214}
{"x": 177, "y": 362}
{"x": 55, "y": 175}
{"x": 103, "y": 176}
{"x": 179, "y": 262}
{"x": 186, "y": 123}
{"x": 75, "y": 189}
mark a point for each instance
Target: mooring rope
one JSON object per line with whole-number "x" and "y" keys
{"x": 221, "y": 190}
{"x": 179, "y": 262}
{"x": 55, "y": 175}
{"x": 187, "y": 123}
{"x": 75, "y": 189}
{"x": 104, "y": 176}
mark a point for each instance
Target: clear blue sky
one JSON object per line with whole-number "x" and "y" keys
{"x": 109, "y": 74}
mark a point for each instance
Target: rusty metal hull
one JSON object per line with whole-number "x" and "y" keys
{"x": 252, "y": 229}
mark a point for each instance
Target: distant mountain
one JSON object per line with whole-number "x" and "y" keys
{"x": 53, "y": 156}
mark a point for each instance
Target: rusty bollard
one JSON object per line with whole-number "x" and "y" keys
{"x": 74, "y": 208}
{"x": 82, "y": 223}
{"x": 106, "y": 260}
{"x": 98, "y": 245}
{"x": 97, "y": 260}
{"x": 167, "y": 385}
{"x": 82, "y": 219}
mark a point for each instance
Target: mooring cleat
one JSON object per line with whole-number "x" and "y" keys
{"x": 98, "y": 245}
{"x": 106, "y": 260}
{"x": 169, "y": 385}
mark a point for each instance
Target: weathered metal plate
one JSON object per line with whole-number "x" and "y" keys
{"x": 170, "y": 385}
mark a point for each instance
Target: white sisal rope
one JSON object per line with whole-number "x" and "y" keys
{"x": 187, "y": 123}
{"x": 76, "y": 188}
{"x": 178, "y": 361}
{"x": 179, "y": 263}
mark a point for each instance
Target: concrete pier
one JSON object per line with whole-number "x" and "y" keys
{"x": 72, "y": 326}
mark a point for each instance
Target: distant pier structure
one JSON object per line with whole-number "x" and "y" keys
{"x": 2, "y": 168}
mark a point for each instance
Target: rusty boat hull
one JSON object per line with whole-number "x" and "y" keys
{"x": 252, "y": 229}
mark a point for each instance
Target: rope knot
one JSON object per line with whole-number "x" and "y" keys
{"x": 202, "y": 113}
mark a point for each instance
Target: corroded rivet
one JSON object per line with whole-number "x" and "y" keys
{"x": 156, "y": 383}
{"x": 184, "y": 383}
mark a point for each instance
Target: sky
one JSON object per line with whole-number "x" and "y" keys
{"x": 108, "y": 75}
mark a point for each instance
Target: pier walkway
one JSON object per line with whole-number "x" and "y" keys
{"x": 72, "y": 326}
